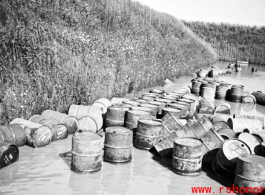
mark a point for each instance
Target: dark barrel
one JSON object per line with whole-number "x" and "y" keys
{"x": 221, "y": 91}
{"x": 187, "y": 156}
{"x": 236, "y": 93}
{"x": 260, "y": 97}
{"x": 147, "y": 133}
{"x": 86, "y": 152}
{"x": 195, "y": 89}
{"x": 118, "y": 145}
{"x": 9, "y": 154}
{"x": 13, "y": 134}
{"x": 115, "y": 116}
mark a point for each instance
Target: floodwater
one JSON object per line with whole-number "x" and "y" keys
{"x": 47, "y": 170}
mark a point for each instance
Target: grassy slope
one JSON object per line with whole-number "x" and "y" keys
{"x": 57, "y": 53}
{"x": 233, "y": 42}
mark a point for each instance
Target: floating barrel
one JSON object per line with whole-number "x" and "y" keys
{"x": 69, "y": 121}
{"x": 236, "y": 93}
{"x": 251, "y": 142}
{"x": 9, "y": 154}
{"x": 260, "y": 118}
{"x": 92, "y": 123}
{"x": 159, "y": 104}
{"x": 38, "y": 135}
{"x": 221, "y": 91}
{"x": 226, "y": 133}
{"x": 208, "y": 93}
{"x": 154, "y": 109}
{"x": 133, "y": 116}
{"x": 102, "y": 103}
{"x": 79, "y": 111}
{"x": 86, "y": 152}
{"x": 115, "y": 116}
{"x": 260, "y": 97}
{"x": 245, "y": 125}
{"x": 147, "y": 133}
{"x": 187, "y": 156}
{"x": 213, "y": 73}
{"x": 118, "y": 145}
{"x": 59, "y": 131}
{"x": 250, "y": 174}
{"x": 13, "y": 134}
{"x": 132, "y": 103}
{"x": 177, "y": 112}
{"x": 224, "y": 164}
{"x": 196, "y": 87}
{"x": 223, "y": 108}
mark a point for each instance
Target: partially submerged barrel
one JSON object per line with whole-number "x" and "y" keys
{"x": 69, "y": 121}
{"x": 187, "y": 156}
{"x": 133, "y": 116}
{"x": 13, "y": 134}
{"x": 250, "y": 173}
{"x": 224, "y": 164}
{"x": 115, "y": 116}
{"x": 38, "y": 135}
{"x": 118, "y": 145}
{"x": 251, "y": 142}
{"x": 9, "y": 154}
{"x": 245, "y": 125}
{"x": 147, "y": 133}
{"x": 196, "y": 87}
{"x": 59, "y": 131}
{"x": 86, "y": 152}
{"x": 236, "y": 93}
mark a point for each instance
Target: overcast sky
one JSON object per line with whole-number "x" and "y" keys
{"x": 245, "y": 12}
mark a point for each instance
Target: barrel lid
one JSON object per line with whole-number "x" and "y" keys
{"x": 182, "y": 102}
{"x": 157, "y": 103}
{"x": 188, "y": 141}
{"x": 148, "y": 105}
{"x": 150, "y": 122}
{"x": 118, "y": 105}
{"x": 171, "y": 109}
{"x": 250, "y": 141}
{"x": 130, "y": 102}
{"x": 163, "y": 100}
{"x": 177, "y": 105}
{"x": 253, "y": 159}
{"x": 118, "y": 130}
{"x": 86, "y": 135}
{"x": 187, "y": 100}
{"x": 141, "y": 108}
{"x": 232, "y": 148}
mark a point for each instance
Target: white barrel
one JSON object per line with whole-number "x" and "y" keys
{"x": 208, "y": 93}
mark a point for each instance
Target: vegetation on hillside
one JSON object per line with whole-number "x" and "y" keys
{"x": 54, "y": 53}
{"x": 233, "y": 42}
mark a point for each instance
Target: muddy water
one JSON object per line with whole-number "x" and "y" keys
{"x": 47, "y": 170}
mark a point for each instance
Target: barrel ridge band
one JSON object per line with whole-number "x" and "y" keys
{"x": 118, "y": 147}
{"x": 175, "y": 119}
{"x": 97, "y": 154}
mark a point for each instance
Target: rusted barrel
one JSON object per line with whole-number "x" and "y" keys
{"x": 38, "y": 135}
{"x": 102, "y": 103}
{"x": 159, "y": 104}
{"x": 9, "y": 154}
{"x": 147, "y": 133}
{"x": 224, "y": 164}
{"x": 187, "y": 156}
{"x": 132, "y": 103}
{"x": 250, "y": 174}
{"x": 132, "y": 118}
{"x": 118, "y": 145}
{"x": 260, "y": 118}
{"x": 157, "y": 91}
{"x": 69, "y": 121}
{"x": 221, "y": 91}
{"x": 154, "y": 109}
{"x": 92, "y": 122}
{"x": 251, "y": 142}
{"x": 260, "y": 97}
{"x": 13, "y": 134}
{"x": 196, "y": 87}
{"x": 208, "y": 93}
{"x": 86, "y": 152}
{"x": 245, "y": 125}
{"x": 178, "y": 112}
{"x": 59, "y": 131}
{"x": 171, "y": 123}
{"x": 78, "y": 111}
{"x": 236, "y": 93}
{"x": 115, "y": 116}
{"x": 149, "y": 110}
{"x": 226, "y": 133}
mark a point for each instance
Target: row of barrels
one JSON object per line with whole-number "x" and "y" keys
{"x": 215, "y": 89}
{"x": 213, "y": 72}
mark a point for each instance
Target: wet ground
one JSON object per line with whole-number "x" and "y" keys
{"x": 47, "y": 170}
